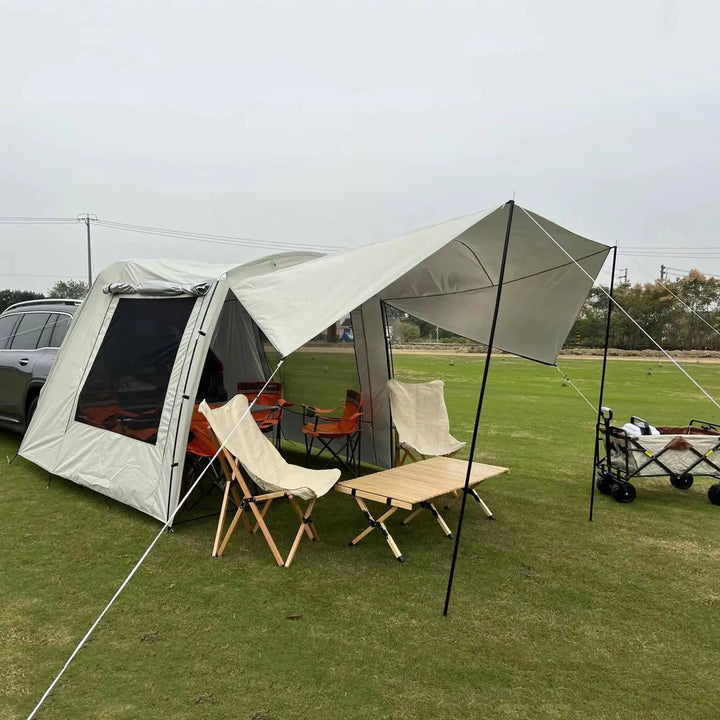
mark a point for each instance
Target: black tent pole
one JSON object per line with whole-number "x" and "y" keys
{"x": 488, "y": 355}
{"x": 596, "y": 457}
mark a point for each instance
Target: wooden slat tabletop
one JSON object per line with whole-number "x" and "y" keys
{"x": 419, "y": 481}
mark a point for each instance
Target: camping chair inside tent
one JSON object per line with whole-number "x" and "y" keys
{"x": 269, "y": 405}
{"x": 335, "y": 434}
{"x": 260, "y": 473}
{"x": 422, "y": 426}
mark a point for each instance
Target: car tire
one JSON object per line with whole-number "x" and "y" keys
{"x": 31, "y": 411}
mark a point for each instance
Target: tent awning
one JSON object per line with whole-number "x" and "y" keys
{"x": 445, "y": 274}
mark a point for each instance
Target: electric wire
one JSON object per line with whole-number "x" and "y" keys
{"x": 216, "y": 239}
{"x": 145, "y": 554}
{"x": 684, "y": 304}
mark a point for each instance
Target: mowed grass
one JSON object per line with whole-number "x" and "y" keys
{"x": 551, "y": 616}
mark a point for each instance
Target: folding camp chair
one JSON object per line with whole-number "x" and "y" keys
{"x": 268, "y": 409}
{"x": 422, "y": 427}
{"x": 336, "y": 434}
{"x": 261, "y": 475}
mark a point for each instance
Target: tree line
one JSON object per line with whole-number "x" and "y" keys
{"x": 680, "y": 315}
{"x": 72, "y": 289}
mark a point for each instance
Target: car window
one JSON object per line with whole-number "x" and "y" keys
{"x": 46, "y": 334}
{"x": 61, "y": 325}
{"x": 28, "y": 331}
{"x": 7, "y": 324}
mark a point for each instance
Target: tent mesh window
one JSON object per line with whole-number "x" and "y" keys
{"x": 127, "y": 384}
{"x": 321, "y": 371}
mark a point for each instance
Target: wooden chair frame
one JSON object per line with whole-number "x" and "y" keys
{"x": 258, "y": 504}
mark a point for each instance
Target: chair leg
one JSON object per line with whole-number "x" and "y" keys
{"x": 221, "y": 519}
{"x": 238, "y": 514}
{"x": 309, "y": 526}
{"x": 266, "y": 533}
{"x": 346, "y": 462}
{"x": 304, "y": 522}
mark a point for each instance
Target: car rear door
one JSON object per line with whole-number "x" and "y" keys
{"x": 18, "y": 362}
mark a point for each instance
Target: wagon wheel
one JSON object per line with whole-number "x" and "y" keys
{"x": 604, "y": 483}
{"x": 623, "y": 492}
{"x": 714, "y": 494}
{"x": 681, "y": 482}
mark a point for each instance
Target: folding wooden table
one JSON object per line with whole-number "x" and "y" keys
{"x": 414, "y": 487}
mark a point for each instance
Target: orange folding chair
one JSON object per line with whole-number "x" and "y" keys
{"x": 338, "y": 435}
{"x": 267, "y": 411}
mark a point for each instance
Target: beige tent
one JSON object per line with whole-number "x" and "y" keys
{"x": 141, "y": 338}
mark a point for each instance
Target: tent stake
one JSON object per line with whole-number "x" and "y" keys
{"x": 596, "y": 455}
{"x": 488, "y": 355}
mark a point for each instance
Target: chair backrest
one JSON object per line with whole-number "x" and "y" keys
{"x": 258, "y": 455}
{"x": 420, "y": 415}
{"x": 247, "y": 443}
{"x": 352, "y": 411}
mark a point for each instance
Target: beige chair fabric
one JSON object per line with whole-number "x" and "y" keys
{"x": 421, "y": 418}
{"x": 265, "y": 465}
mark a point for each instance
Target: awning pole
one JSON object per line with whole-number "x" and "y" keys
{"x": 488, "y": 355}
{"x": 596, "y": 456}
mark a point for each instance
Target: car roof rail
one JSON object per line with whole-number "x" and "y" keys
{"x": 44, "y": 301}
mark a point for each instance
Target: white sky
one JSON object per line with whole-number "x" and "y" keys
{"x": 342, "y": 123}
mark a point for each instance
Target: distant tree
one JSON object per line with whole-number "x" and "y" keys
{"x": 74, "y": 289}
{"x": 693, "y": 323}
{"x": 405, "y": 331}
{"x": 10, "y": 297}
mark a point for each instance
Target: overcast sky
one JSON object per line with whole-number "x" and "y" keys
{"x": 342, "y": 123}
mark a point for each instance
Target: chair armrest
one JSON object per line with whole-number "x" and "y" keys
{"x": 285, "y": 403}
{"x": 311, "y": 410}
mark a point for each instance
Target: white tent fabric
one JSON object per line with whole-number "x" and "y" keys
{"x": 421, "y": 418}
{"x": 258, "y": 455}
{"x": 446, "y": 274}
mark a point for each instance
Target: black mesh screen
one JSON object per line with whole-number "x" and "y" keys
{"x": 125, "y": 390}
{"x": 317, "y": 374}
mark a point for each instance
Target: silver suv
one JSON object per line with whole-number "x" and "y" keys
{"x": 30, "y": 335}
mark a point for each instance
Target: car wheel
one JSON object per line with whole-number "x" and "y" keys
{"x": 31, "y": 411}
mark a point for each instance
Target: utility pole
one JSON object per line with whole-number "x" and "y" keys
{"x": 622, "y": 275}
{"x": 86, "y": 218}
{"x": 662, "y": 273}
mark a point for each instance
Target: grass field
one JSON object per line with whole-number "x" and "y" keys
{"x": 551, "y": 616}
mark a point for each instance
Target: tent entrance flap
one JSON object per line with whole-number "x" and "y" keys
{"x": 129, "y": 378}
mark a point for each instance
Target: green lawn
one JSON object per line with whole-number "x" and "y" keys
{"x": 551, "y": 616}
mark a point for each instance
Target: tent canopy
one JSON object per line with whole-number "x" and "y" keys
{"x": 444, "y": 274}
{"x": 115, "y": 412}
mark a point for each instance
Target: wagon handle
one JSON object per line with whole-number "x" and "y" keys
{"x": 644, "y": 425}
{"x": 704, "y": 424}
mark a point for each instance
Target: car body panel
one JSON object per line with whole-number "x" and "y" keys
{"x": 28, "y": 348}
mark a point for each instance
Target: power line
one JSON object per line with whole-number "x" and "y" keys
{"x": 167, "y": 232}
{"x": 215, "y": 239}
{"x": 28, "y": 275}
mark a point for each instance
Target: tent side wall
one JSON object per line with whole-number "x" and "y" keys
{"x": 144, "y": 475}
{"x": 373, "y": 363}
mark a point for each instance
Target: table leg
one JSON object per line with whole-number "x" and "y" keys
{"x": 380, "y": 524}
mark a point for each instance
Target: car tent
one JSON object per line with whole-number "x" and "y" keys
{"x": 115, "y": 412}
